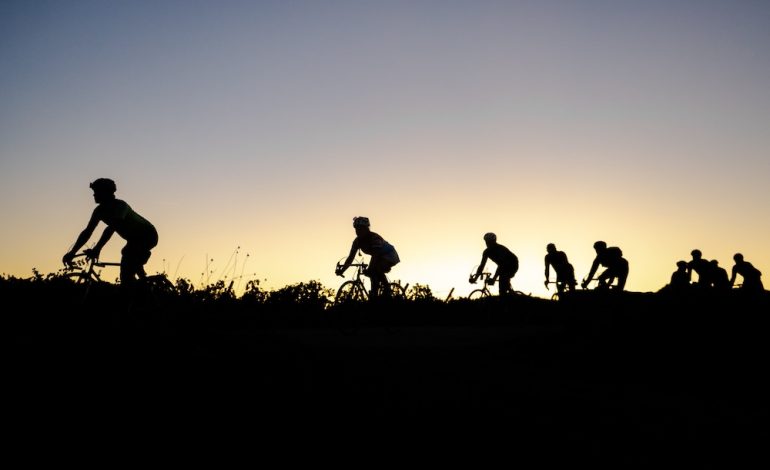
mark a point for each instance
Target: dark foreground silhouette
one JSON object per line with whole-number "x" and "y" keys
{"x": 632, "y": 376}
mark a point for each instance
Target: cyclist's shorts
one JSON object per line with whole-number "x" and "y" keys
{"x": 137, "y": 252}
{"x": 389, "y": 255}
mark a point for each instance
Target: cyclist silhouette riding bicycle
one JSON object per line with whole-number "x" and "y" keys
{"x": 752, "y": 277}
{"x": 507, "y": 264}
{"x": 565, "y": 273}
{"x": 616, "y": 267}
{"x": 140, "y": 235}
{"x": 383, "y": 256}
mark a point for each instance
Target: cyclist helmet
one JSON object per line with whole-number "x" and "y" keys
{"x": 103, "y": 185}
{"x": 681, "y": 263}
{"x": 490, "y": 237}
{"x": 696, "y": 253}
{"x": 360, "y": 221}
{"x": 738, "y": 257}
{"x": 600, "y": 245}
{"x": 550, "y": 247}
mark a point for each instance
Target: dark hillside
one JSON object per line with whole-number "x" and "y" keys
{"x": 631, "y": 374}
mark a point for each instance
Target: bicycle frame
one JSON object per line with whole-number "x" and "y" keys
{"x": 85, "y": 270}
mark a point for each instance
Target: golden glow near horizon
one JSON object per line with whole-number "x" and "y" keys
{"x": 276, "y": 127}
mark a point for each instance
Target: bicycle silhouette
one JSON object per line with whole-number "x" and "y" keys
{"x": 354, "y": 290}
{"x": 352, "y": 294}
{"x": 486, "y": 282}
{"x": 83, "y": 271}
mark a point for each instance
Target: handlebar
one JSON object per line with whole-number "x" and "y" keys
{"x": 361, "y": 266}
{"x": 87, "y": 257}
{"x": 484, "y": 276}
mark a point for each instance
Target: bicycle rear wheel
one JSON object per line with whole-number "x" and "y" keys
{"x": 397, "y": 291}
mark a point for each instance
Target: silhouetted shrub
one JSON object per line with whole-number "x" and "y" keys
{"x": 310, "y": 294}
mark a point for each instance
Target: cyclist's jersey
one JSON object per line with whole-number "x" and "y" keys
{"x": 374, "y": 245}
{"x": 502, "y": 256}
{"x": 558, "y": 260}
{"x": 612, "y": 257}
{"x": 720, "y": 278}
{"x": 747, "y": 271}
{"x": 702, "y": 268}
{"x": 118, "y": 215}
{"x": 370, "y": 243}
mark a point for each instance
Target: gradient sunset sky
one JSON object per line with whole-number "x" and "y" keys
{"x": 269, "y": 125}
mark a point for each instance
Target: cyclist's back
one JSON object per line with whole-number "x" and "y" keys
{"x": 502, "y": 256}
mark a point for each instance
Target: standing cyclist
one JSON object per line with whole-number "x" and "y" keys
{"x": 383, "y": 256}
{"x": 507, "y": 264}
{"x": 140, "y": 235}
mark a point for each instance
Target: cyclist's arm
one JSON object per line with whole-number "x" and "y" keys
{"x": 82, "y": 238}
{"x": 349, "y": 259}
{"x": 106, "y": 235}
{"x": 481, "y": 264}
{"x": 594, "y": 267}
{"x": 547, "y": 270}
{"x": 732, "y": 278}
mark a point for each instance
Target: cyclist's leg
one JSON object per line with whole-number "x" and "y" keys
{"x": 569, "y": 278}
{"x": 504, "y": 281}
{"x": 376, "y": 272}
{"x": 559, "y": 283}
{"x": 134, "y": 257}
{"x": 622, "y": 274}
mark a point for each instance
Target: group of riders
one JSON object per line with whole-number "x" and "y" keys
{"x": 141, "y": 237}
{"x": 610, "y": 257}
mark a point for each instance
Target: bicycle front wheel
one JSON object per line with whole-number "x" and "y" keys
{"x": 78, "y": 277}
{"x": 349, "y": 291}
{"x": 478, "y": 294}
{"x": 348, "y": 304}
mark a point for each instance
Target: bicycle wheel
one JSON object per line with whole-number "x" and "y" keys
{"x": 78, "y": 277}
{"x": 349, "y": 291}
{"x": 348, "y": 304}
{"x": 478, "y": 294}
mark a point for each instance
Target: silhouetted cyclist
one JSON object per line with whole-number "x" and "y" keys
{"x": 680, "y": 279}
{"x": 383, "y": 256}
{"x": 616, "y": 266}
{"x": 752, "y": 277}
{"x": 140, "y": 235}
{"x": 507, "y": 264}
{"x": 719, "y": 279}
{"x": 565, "y": 273}
{"x": 701, "y": 266}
